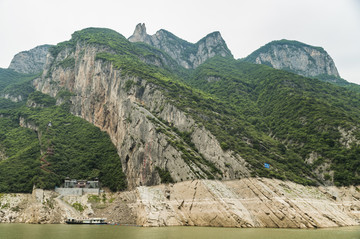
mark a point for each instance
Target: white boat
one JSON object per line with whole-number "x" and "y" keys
{"x": 94, "y": 221}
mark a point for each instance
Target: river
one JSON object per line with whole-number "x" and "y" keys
{"x": 60, "y": 231}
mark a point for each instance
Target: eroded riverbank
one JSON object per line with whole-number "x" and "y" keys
{"x": 255, "y": 202}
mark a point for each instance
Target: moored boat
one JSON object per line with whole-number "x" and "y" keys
{"x": 94, "y": 221}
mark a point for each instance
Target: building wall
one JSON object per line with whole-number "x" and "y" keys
{"x": 91, "y": 190}
{"x": 77, "y": 191}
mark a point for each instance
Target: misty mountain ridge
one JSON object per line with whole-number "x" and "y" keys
{"x": 188, "y": 55}
{"x": 288, "y": 55}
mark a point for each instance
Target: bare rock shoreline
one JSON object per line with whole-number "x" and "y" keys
{"x": 250, "y": 202}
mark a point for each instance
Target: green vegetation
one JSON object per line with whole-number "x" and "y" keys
{"x": 339, "y": 82}
{"x": 8, "y": 76}
{"x": 68, "y": 62}
{"x": 71, "y": 146}
{"x": 164, "y": 175}
{"x": 302, "y": 115}
{"x": 15, "y": 209}
{"x": 42, "y": 99}
{"x": 181, "y": 141}
{"x": 16, "y": 84}
{"x": 128, "y": 84}
{"x": 78, "y": 206}
{"x": 94, "y": 198}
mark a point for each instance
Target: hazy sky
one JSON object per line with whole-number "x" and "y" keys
{"x": 245, "y": 25}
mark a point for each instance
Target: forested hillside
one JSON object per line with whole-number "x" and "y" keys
{"x": 303, "y": 126}
{"x": 41, "y": 144}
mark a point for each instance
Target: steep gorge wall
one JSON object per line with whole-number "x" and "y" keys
{"x": 132, "y": 111}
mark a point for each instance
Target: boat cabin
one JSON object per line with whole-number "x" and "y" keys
{"x": 95, "y": 221}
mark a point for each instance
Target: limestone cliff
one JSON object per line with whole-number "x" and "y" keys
{"x": 296, "y": 57}
{"x": 186, "y": 54}
{"x": 30, "y": 62}
{"x": 140, "y": 120}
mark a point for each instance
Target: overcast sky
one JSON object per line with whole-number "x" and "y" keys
{"x": 244, "y": 25}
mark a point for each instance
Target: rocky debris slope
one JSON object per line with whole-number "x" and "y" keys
{"x": 119, "y": 208}
{"x": 295, "y": 57}
{"x": 139, "y": 119}
{"x": 186, "y": 54}
{"x": 254, "y": 202}
{"x": 30, "y": 62}
{"x": 39, "y": 207}
{"x": 48, "y": 207}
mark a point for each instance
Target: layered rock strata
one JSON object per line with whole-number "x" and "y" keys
{"x": 255, "y": 202}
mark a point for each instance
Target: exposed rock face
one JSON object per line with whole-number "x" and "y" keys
{"x": 44, "y": 207}
{"x": 248, "y": 203}
{"x": 295, "y": 57}
{"x": 255, "y": 202}
{"x": 30, "y": 62}
{"x": 186, "y": 54}
{"x": 140, "y": 34}
{"x": 39, "y": 207}
{"x": 132, "y": 111}
{"x": 17, "y": 98}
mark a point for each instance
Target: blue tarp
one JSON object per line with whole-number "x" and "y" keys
{"x": 266, "y": 165}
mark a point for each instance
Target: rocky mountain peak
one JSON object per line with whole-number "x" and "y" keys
{"x": 215, "y": 35}
{"x": 30, "y": 62}
{"x": 213, "y": 39}
{"x": 186, "y": 54}
{"x": 296, "y": 57}
{"x": 140, "y": 34}
{"x": 140, "y": 29}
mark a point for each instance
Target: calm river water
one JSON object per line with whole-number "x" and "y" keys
{"x": 26, "y": 231}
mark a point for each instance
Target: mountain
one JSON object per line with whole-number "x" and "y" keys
{"x": 127, "y": 90}
{"x": 30, "y": 62}
{"x": 313, "y": 123}
{"x": 296, "y": 57}
{"x": 188, "y": 55}
{"x": 225, "y": 119}
{"x": 302, "y": 59}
